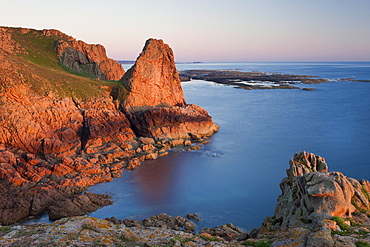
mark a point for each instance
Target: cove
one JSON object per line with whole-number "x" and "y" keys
{"x": 235, "y": 177}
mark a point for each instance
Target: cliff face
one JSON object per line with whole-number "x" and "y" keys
{"x": 153, "y": 80}
{"x": 60, "y": 133}
{"x": 87, "y": 58}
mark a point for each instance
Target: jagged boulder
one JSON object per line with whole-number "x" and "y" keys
{"x": 310, "y": 194}
{"x": 153, "y": 80}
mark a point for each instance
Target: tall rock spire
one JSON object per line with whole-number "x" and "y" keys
{"x": 154, "y": 79}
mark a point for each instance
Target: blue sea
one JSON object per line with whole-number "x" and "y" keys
{"x": 235, "y": 177}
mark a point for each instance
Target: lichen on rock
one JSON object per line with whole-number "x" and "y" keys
{"x": 310, "y": 193}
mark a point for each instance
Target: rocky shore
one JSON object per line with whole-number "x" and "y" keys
{"x": 64, "y": 128}
{"x": 316, "y": 208}
{"x": 250, "y": 80}
{"x": 71, "y": 117}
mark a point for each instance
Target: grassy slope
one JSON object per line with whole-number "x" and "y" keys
{"x": 40, "y": 68}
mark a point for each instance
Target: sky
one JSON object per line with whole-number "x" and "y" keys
{"x": 208, "y": 30}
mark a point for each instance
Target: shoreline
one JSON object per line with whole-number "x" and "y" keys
{"x": 332, "y": 222}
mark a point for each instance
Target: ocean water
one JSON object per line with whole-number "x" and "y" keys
{"x": 235, "y": 177}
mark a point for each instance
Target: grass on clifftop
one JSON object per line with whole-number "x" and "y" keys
{"x": 40, "y": 67}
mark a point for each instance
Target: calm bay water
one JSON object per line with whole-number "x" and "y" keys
{"x": 235, "y": 178}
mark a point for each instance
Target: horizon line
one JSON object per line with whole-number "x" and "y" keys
{"x": 264, "y": 61}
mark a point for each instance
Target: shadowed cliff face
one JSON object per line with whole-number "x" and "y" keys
{"x": 85, "y": 58}
{"x": 153, "y": 80}
{"x": 91, "y": 59}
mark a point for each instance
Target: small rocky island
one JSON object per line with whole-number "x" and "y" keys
{"x": 250, "y": 80}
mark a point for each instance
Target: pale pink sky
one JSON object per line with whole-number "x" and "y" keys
{"x": 209, "y": 30}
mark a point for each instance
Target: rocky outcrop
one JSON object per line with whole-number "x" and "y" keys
{"x": 53, "y": 147}
{"x": 57, "y": 33}
{"x": 155, "y": 102}
{"x": 153, "y": 80}
{"x": 185, "y": 122}
{"x": 318, "y": 208}
{"x": 312, "y": 194}
{"x": 251, "y": 80}
{"x": 88, "y": 58}
{"x": 89, "y": 231}
{"x": 60, "y": 127}
{"x": 228, "y": 232}
{"x": 7, "y": 44}
{"x": 163, "y": 221}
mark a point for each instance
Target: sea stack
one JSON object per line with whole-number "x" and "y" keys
{"x": 154, "y": 79}
{"x": 155, "y": 102}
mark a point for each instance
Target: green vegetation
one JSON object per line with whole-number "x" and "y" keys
{"x": 73, "y": 72}
{"x": 346, "y": 230}
{"x": 88, "y": 227}
{"x": 262, "y": 243}
{"x": 181, "y": 240}
{"x": 128, "y": 241}
{"x": 4, "y": 230}
{"x": 209, "y": 238}
{"x": 340, "y": 221}
{"x": 40, "y": 48}
{"x": 305, "y": 221}
{"x": 362, "y": 244}
{"x": 364, "y": 191}
{"x": 27, "y": 233}
{"x": 40, "y": 67}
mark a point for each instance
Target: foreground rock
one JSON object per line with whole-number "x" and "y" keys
{"x": 88, "y": 231}
{"x": 319, "y": 220}
{"x": 319, "y": 208}
{"x": 312, "y": 194}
